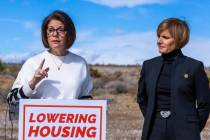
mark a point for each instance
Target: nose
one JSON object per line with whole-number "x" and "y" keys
{"x": 159, "y": 40}
{"x": 55, "y": 33}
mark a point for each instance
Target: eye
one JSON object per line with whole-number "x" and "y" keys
{"x": 50, "y": 30}
{"x": 166, "y": 37}
{"x": 61, "y": 30}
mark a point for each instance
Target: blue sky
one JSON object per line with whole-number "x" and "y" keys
{"x": 108, "y": 31}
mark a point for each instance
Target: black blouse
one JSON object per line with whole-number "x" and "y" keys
{"x": 163, "y": 93}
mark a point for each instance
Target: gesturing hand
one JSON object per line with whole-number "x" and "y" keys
{"x": 40, "y": 73}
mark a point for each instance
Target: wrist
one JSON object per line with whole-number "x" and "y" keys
{"x": 32, "y": 84}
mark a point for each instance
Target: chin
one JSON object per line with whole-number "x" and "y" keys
{"x": 54, "y": 47}
{"x": 164, "y": 51}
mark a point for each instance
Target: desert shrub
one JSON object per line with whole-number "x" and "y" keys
{"x": 99, "y": 91}
{"x": 98, "y": 83}
{"x": 115, "y": 76}
{"x": 116, "y": 87}
{"x": 14, "y": 69}
{"x": 11, "y": 69}
{"x": 121, "y": 88}
{"x": 2, "y": 66}
{"x": 94, "y": 73}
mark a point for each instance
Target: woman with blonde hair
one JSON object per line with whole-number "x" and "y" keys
{"x": 173, "y": 92}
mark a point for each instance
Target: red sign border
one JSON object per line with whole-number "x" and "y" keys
{"x": 62, "y": 106}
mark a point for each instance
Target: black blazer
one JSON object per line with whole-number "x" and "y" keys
{"x": 190, "y": 96}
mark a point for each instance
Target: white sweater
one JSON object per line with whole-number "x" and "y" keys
{"x": 72, "y": 81}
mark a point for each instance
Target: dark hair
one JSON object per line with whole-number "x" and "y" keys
{"x": 68, "y": 25}
{"x": 178, "y": 29}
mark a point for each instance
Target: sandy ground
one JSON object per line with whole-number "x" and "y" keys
{"x": 124, "y": 120}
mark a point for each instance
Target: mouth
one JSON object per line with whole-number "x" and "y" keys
{"x": 161, "y": 47}
{"x": 55, "y": 41}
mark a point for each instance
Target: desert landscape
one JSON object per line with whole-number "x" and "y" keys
{"x": 117, "y": 84}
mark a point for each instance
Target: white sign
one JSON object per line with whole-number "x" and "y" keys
{"x": 43, "y": 119}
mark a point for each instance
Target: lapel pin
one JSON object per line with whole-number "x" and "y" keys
{"x": 186, "y": 76}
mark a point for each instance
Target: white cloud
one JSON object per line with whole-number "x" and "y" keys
{"x": 84, "y": 35}
{"x": 198, "y": 48}
{"x": 127, "y": 3}
{"x": 18, "y": 56}
{"x": 28, "y": 25}
{"x": 15, "y": 57}
{"x": 124, "y": 48}
{"x": 119, "y": 31}
{"x": 120, "y": 48}
{"x": 10, "y": 20}
{"x": 88, "y": 55}
{"x": 134, "y": 48}
{"x": 33, "y": 27}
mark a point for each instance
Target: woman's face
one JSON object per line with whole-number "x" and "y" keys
{"x": 165, "y": 42}
{"x": 56, "y": 35}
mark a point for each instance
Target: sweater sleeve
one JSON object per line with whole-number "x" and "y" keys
{"x": 87, "y": 85}
{"x": 20, "y": 88}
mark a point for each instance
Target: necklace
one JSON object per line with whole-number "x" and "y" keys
{"x": 58, "y": 64}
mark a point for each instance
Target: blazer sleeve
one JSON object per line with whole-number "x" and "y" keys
{"x": 202, "y": 95}
{"x": 142, "y": 95}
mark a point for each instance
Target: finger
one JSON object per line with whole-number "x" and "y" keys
{"x": 47, "y": 69}
{"x": 40, "y": 72}
{"x": 42, "y": 63}
{"x": 40, "y": 77}
{"x": 44, "y": 72}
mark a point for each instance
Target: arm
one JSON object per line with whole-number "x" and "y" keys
{"x": 20, "y": 87}
{"x": 202, "y": 95}
{"x": 142, "y": 95}
{"x": 87, "y": 85}
{"x": 26, "y": 81}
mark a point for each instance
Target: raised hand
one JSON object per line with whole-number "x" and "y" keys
{"x": 40, "y": 73}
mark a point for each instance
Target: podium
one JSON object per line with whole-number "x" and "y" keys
{"x": 44, "y": 119}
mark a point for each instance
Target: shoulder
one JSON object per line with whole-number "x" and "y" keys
{"x": 192, "y": 62}
{"x": 76, "y": 58}
{"x": 37, "y": 58}
{"x": 152, "y": 61}
{"x": 79, "y": 63}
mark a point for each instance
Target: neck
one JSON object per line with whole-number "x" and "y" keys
{"x": 58, "y": 52}
{"x": 172, "y": 55}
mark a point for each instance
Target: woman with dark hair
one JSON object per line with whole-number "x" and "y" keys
{"x": 55, "y": 73}
{"x": 173, "y": 92}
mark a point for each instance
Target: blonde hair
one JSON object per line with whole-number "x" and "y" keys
{"x": 178, "y": 29}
